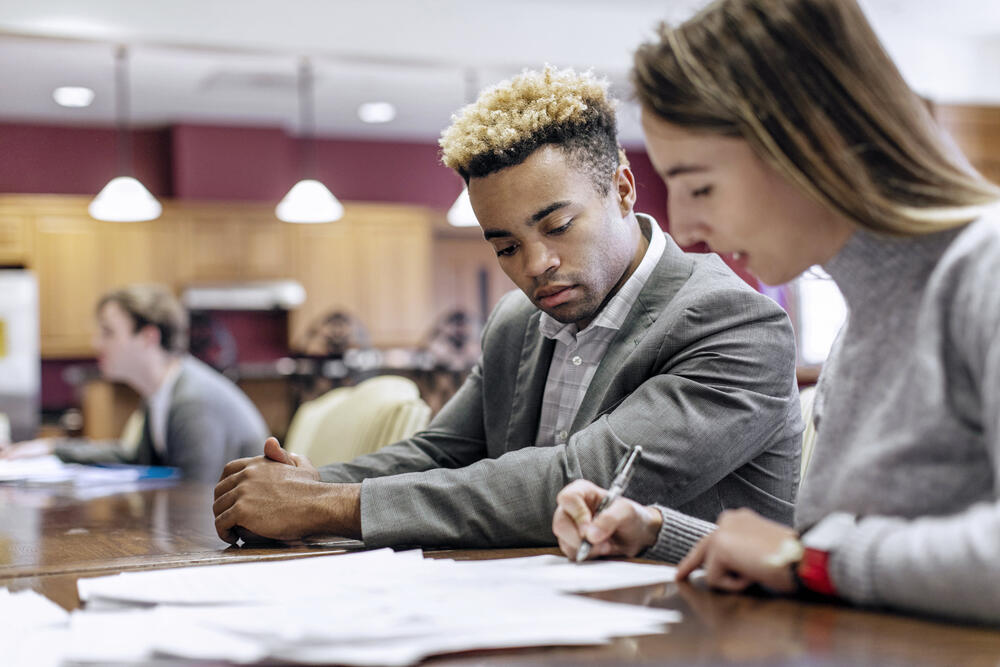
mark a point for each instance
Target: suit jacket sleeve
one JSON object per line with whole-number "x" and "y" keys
{"x": 104, "y": 451}
{"x": 720, "y": 391}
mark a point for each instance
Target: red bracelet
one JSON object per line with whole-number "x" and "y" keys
{"x": 813, "y": 572}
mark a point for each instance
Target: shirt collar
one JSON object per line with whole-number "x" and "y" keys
{"x": 161, "y": 397}
{"x": 617, "y": 308}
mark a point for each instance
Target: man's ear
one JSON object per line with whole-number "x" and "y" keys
{"x": 625, "y": 188}
{"x": 150, "y": 335}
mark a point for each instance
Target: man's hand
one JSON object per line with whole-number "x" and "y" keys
{"x": 739, "y": 553}
{"x": 27, "y": 449}
{"x": 623, "y": 529}
{"x": 279, "y": 496}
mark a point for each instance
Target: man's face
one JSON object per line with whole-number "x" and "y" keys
{"x": 562, "y": 242}
{"x": 120, "y": 350}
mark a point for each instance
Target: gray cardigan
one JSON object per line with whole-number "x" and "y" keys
{"x": 701, "y": 374}
{"x": 209, "y": 423}
{"x": 908, "y": 426}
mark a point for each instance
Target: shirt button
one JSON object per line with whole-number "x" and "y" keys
{"x": 561, "y": 436}
{"x": 576, "y": 360}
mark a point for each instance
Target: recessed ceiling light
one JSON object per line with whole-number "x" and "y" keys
{"x": 73, "y": 96}
{"x": 376, "y": 112}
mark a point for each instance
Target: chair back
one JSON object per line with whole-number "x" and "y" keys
{"x": 348, "y": 422}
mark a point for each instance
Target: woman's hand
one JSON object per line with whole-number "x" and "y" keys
{"x": 743, "y": 550}
{"x": 623, "y": 529}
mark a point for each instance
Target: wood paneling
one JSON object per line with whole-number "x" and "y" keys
{"x": 69, "y": 263}
{"x": 459, "y": 263}
{"x": 14, "y": 238}
{"x": 374, "y": 263}
{"x": 976, "y": 130}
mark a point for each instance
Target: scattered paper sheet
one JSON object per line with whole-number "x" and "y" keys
{"x": 30, "y": 621}
{"x": 368, "y": 608}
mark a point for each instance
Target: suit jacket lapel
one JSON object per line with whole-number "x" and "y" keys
{"x": 670, "y": 274}
{"x": 529, "y": 386}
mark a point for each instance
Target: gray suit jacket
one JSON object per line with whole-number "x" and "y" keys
{"x": 210, "y": 422}
{"x": 701, "y": 374}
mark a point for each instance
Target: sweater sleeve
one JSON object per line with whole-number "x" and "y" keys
{"x": 947, "y": 565}
{"x": 92, "y": 451}
{"x": 678, "y": 535}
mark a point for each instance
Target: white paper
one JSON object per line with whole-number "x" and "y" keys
{"x": 50, "y": 470}
{"x": 367, "y": 608}
{"x": 29, "y": 627}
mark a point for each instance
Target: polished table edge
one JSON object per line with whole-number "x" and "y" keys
{"x": 130, "y": 563}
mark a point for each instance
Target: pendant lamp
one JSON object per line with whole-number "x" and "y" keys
{"x": 461, "y": 214}
{"x": 124, "y": 199}
{"x": 309, "y": 200}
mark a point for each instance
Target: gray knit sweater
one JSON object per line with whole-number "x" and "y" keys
{"x": 908, "y": 427}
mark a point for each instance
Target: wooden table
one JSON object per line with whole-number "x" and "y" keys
{"x": 50, "y": 538}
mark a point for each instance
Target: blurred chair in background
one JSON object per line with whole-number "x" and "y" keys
{"x": 350, "y": 421}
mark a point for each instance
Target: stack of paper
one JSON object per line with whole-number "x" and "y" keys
{"x": 369, "y": 608}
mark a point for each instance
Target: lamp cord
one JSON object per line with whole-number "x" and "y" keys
{"x": 124, "y": 137}
{"x": 307, "y": 118}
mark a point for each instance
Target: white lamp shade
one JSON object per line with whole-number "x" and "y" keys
{"x": 461, "y": 214}
{"x": 309, "y": 201}
{"x": 125, "y": 199}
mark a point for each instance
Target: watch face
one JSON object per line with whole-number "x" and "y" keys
{"x": 789, "y": 552}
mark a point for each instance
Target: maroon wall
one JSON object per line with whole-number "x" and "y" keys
{"x": 244, "y": 163}
{"x": 232, "y": 163}
{"x": 74, "y": 160}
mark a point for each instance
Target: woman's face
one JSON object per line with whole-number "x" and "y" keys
{"x": 721, "y": 193}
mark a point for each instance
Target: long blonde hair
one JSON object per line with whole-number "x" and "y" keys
{"x": 809, "y": 86}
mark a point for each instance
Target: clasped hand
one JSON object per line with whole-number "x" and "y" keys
{"x": 278, "y": 496}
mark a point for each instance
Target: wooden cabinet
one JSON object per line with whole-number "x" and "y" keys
{"x": 976, "y": 130}
{"x": 14, "y": 237}
{"x": 230, "y": 242}
{"x": 68, "y": 260}
{"x": 467, "y": 276}
{"x": 393, "y": 287}
{"x": 137, "y": 252}
{"x": 374, "y": 263}
{"x": 322, "y": 259}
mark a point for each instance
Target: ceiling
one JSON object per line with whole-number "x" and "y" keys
{"x": 234, "y": 61}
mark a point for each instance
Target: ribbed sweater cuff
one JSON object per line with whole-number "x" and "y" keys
{"x": 678, "y": 534}
{"x": 853, "y": 561}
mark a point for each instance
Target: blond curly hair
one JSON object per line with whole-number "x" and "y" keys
{"x": 513, "y": 119}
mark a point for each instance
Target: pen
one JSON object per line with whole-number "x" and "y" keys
{"x": 623, "y": 475}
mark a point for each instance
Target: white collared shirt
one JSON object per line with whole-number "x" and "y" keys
{"x": 578, "y": 353}
{"x": 159, "y": 408}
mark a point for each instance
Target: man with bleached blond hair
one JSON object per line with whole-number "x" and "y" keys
{"x": 615, "y": 338}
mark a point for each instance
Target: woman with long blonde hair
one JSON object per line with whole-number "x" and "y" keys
{"x": 788, "y": 138}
